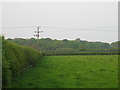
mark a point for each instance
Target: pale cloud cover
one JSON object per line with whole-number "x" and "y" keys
{"x": 101, "y": 18}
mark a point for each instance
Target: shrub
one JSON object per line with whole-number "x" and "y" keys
{"x": 16, "y": 59}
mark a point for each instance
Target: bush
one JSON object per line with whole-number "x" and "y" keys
{"x": 16, "y": 59}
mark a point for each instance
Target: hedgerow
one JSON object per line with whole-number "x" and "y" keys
{"x": 15, "y": 60}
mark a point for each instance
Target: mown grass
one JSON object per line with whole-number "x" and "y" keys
{"x": 89, "y": 71}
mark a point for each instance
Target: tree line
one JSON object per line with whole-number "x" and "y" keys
{"x": 69, "y": 47}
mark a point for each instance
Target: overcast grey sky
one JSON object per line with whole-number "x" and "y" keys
{"x": 96, "y": 21}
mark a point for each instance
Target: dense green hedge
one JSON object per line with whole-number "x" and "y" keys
{"x": 16, "y": 59}
{"x": 80, "y": 53}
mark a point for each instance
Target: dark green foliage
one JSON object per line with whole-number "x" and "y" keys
{"x": 69, "y": 47}
{"x": 0, "y": 62}
{"x": 16, "y": 59}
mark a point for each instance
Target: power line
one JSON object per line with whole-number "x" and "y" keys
{"x": 84, "y": 29}
{"x": 17, "y": 27}
{"x": 66, "y": 29}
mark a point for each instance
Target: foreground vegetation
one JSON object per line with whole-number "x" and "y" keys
{"x": 0, "y": 62}
{"x": 16, "y": 59}
{"x": 87, "y": 71}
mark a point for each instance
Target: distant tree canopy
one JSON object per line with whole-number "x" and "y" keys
{"x": 77, "y": 46}
{"x": 78, "y": 39}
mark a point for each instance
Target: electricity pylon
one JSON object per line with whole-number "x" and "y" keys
{"x": 37, "y": 33}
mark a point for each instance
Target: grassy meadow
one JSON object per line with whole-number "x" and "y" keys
{"x": 78, "y": 71}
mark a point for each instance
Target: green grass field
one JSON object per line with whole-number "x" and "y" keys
{"x": 87, "y": 71}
